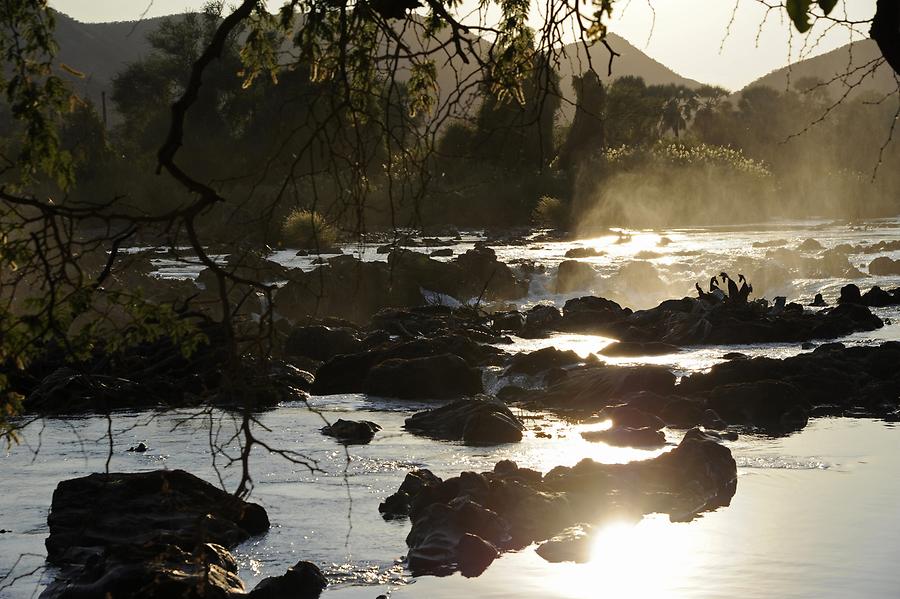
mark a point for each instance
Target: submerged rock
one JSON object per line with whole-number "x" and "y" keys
{"x": 473, "y": 421}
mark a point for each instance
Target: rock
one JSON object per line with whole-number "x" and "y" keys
{"x": 303, "y": 580}
{"x": 819, "y": 301}
{"x": 735, "y": 355}
{"x": 139, "y": 448}
{"x": 541, "y": 360}
{"x": 877, "y": 297}
{"x": 850, "y": 295}
{"x": 513, "y": 321}
{"x": 473, "y": 421}
{"x": 151, "y": 534}
{"x": 627, "y": 437}
{"x": 431, "y": 377}
{"x": 541, "y": 319}
{"x": 347, "y": 373}
{"x": 513, "y": 507}
{"x": 591, "y": 314}
{"x": 413, "y": 485}
{"x": 584, "y": 253}
{"x": 475, "y": 554}
{"x": 597, "y": 386}
{"x": 636, "y": 348}
{"x": 810, "y": 245}
{"x": 321, "y": 342}
{"x": 884, "y": 266}
{"x": 631, "y": 417}
{"x": 352, "y": 431}
{"x": 442, "y": 253}
{"x": 572, "y": 275}
{"x": 573, "y": 544}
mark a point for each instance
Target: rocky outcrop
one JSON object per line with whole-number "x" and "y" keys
{"x": 432, "y": 377}
{"x": 151, "y": 534}
{"x": 875, "y": 297}
{"x": 348, "y": 288}
{"x": 691, "y": 321}
{"x": 472, "y": 421}
{"x": 512, "y": 507}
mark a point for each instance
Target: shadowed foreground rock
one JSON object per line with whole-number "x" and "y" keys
{"x": 512, "y": 507}
{"x": 150, "y": 535}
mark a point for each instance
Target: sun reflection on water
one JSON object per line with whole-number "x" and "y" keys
{"x": 653, "y": 558}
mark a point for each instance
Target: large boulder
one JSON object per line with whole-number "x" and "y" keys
{"x": 149, "y": 535}
{"x": 472, "y": 421}
{"x": 574, "y": 275}
{"x": 432, "y": 377}
{"x": 884, "y": 266}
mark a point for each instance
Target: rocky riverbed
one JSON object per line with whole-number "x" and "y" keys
{"x": 518, "y": 427}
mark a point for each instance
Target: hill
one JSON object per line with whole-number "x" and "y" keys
{"x": 100, "y": 50}
{"x": 631, "y": 62}
{"x": 849, "y": 66}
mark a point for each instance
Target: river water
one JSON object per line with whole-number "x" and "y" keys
{"x": 815, "y": 513}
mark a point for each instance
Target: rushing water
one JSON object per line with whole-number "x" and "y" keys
{"x": 815, "y": 513}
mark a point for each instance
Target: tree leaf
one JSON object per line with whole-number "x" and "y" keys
{"x": 798, "y": 11}
{"x": 827, "y": 5}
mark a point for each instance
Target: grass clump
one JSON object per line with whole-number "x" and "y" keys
{"x": 550, "y": 213}
{"x": 307, "y": 229}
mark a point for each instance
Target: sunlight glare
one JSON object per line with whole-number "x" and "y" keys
{"x": 652, "y": 559}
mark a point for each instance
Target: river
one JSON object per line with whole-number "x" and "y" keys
{"x": 815, "y": 513}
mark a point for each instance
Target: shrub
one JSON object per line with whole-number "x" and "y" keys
{"x": 307, "y": 229}
{"x": 550, "y": 213}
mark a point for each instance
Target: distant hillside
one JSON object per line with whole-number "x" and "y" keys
{"x": 631, "y": 62}
{"x": 845, "y": 65}
{"x": 100, "y": 50}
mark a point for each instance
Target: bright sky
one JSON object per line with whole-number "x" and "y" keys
{"x": 686, "y": 37}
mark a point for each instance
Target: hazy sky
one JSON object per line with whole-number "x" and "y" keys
{"x": 686, "y": 37}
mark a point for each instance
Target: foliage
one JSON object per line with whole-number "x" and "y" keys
{"x": 550, "y": 213}
{"x": 308, "y": 229}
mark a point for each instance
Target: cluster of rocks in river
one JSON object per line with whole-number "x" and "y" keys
{"x": 158, "y": 535}
{"x": 464, "y": 522}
